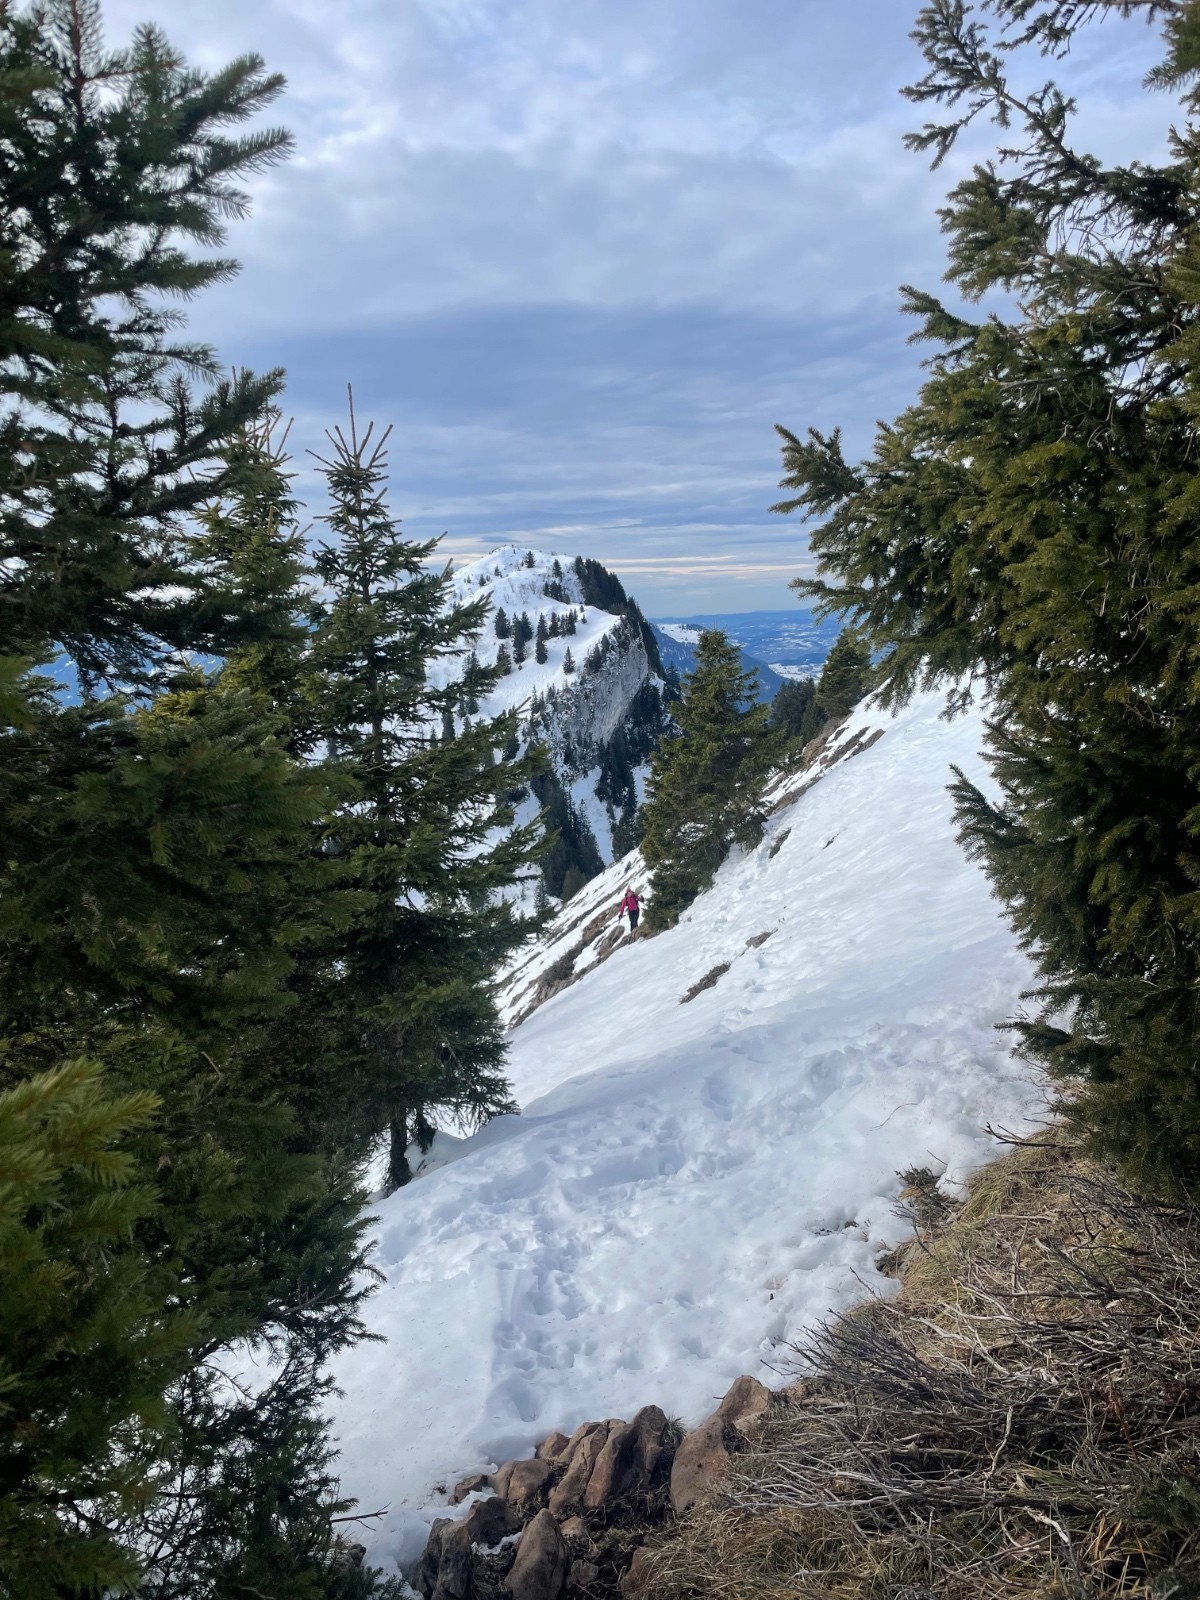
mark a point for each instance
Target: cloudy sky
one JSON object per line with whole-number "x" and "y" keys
{"x": 584, "y": 253}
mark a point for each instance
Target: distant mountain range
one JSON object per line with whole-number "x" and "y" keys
{"x": 781, "y": 644}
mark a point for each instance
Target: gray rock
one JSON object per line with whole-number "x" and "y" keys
{"x": 635, "y": 1585}
{"x": 526, "y": 1479}
{"x": 627, "y": 1462}
{"x": 540, "y": 1569}
{"x": 703, "y": 1458}
{"x": 445, "y": 1570}
{"x": 490, "y": 1520}
{"x": 581, "y": 1457}
{"x": 469, "y": 1485}
{"x": 584, "y": 1575}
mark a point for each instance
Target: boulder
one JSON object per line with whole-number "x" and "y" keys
{"x": 581, "y": 1457}
{"x": 553, "y": 1447}
{"x": 540, "y": 1569}
{"x": 747, "y": 1402}
{"x": 635, "y": 1585}
{"x": 469, "y": 1485}
{"x": 347, "y": 1556}
{"x": 576, "y": 1530}
{"x": 702, "y": 1460}
{"x": 445, "y": 1570}
{"x": 584, "y": 1575}
{"x": 489, "y": 1521}
{"x": 526, "y": 1479}
{"x": 627, "y": 1461}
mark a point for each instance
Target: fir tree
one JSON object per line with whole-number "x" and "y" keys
{"x": 428, "y": 835}
{"x": 569, "y": 624}
{"x": 104, "y": 451}
{"x": 845, "y": 677}
{"x": 502, "y": 625}
{"x": 540, "y": 654}
{"x": 793, "y": 707}
{"x": 504, "y": 663}
{"x": 1030, "y": 522}
{"x": 568, "y": 664}
{"x": 703, "y": 795}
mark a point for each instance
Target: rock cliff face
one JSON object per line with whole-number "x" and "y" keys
{"x": 585, "y": 677}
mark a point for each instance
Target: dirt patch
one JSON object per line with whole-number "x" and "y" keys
{"x": 708, "y": 981}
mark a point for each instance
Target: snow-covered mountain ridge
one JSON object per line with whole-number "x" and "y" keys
{"x": 595, "y": 701}
{"x": 699, "y": 1173}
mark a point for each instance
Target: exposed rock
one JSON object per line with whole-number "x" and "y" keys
{"x": 747, "y": 1402}
{"x": 347, "y": 1556}
{"x": 702, "y": 1460}
{"x": 499, "y": 1479}
{"x": 626, "y": 1463}
{"x": 525, "y": 1479}
{"x": 553, "y": 1447}
{"x": 583, "y": 1575}
{"x": 469, "y": 1485}
{"x": 445, "y": 1570}
{"x": 635, "y": 1585}
{"x": 540, "y": 1569}
{"x": 490, "y": 1520}
{"x": 576, "y": 1530}
{"x": 581, "y": 1457}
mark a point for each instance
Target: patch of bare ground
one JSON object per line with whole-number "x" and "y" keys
{"x": 709, "y": 981}
{"x": 1022, "y": 1422}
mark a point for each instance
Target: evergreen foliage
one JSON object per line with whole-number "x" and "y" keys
{"x": 845, "y": 677}
{"x": 794, "y": 710}
{"x": 417, "y": 837}
{"x": 116, "y": 163}
{"x": 703, "y": 796}
{"x": 540, "y": 654}
{"x": 1031, "y": 522}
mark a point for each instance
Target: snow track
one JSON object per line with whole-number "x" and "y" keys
{"x": 692, "y": 1186}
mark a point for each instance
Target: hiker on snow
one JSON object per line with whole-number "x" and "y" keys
{"x": 630, "y": 904}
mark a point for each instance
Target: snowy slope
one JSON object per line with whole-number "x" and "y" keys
{"x": 693, "y": 1184}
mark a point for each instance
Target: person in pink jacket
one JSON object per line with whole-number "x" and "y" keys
{"x": 632, "y": 905}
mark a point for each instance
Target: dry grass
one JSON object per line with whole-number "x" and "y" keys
{"x": 1021, "y": 1423}
{"x": 708, "y": 981}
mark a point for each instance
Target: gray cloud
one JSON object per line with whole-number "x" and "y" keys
{"x": 584, "y": 255}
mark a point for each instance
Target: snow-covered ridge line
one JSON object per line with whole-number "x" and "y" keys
{"x": 692, "y": 1185}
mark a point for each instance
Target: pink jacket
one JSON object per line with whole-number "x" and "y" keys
{"x": 630, "y": 903}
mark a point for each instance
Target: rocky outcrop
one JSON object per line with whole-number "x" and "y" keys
{"x": 539, "y": 1571}
{"x": 584, "y": 1507}
{"x": 703, "y": 1457}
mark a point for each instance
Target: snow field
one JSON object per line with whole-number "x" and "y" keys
{"x": 692, "y": 1186}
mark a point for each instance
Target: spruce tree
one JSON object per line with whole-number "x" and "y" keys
{"x": 427, "y": 834}
{"x": 845, "y": 677}
{"x": 116, "y": 163}
{"x": 1029, "y": 523}
{"x": 705, "y": 783}
{"x": 501, "y": 623}
{"x": 160, "y": 867}
{"x": 540, "y": 654}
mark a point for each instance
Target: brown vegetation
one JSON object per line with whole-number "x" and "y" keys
{"x": 1022, "y": 1421}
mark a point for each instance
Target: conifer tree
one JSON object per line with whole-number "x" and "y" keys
{"x": 568, "y": 664}
{"x": 703, "y": 794}
{"x": 1031, "y": 522}
{"x": 845, "y": 676}
{"x": 504, "y": 663}
{"x": 540, "y": 654}
{"x": 501, "y": 623}
{"x": 117, "y": 162}
{"x": 427, "y": 837}
{"x": 160, "y": 1200}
